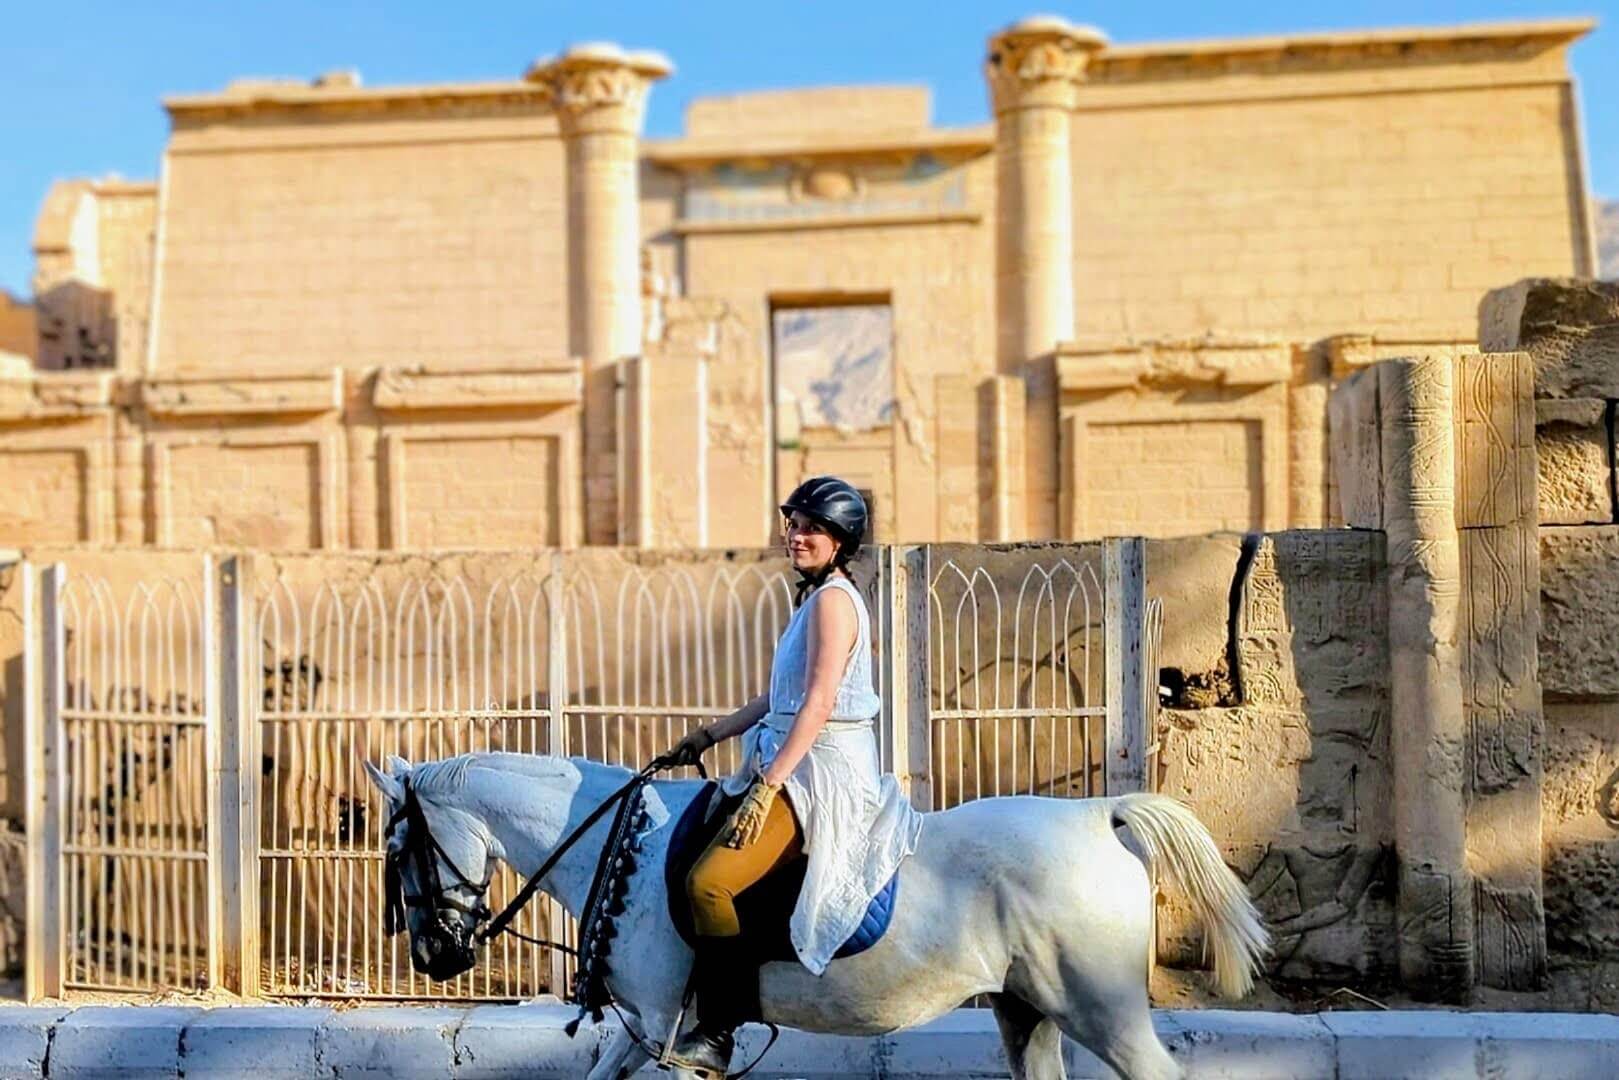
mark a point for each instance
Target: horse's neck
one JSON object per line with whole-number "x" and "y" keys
{"x": 528, "y": 816}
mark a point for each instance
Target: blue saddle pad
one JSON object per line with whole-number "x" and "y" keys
{"x": 765, "y": 909}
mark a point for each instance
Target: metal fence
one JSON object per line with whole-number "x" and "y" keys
{"x": 199, "y": 814}
{"x": 134, "y": 817}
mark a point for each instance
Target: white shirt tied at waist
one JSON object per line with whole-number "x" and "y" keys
{"x": 857, "y": 824}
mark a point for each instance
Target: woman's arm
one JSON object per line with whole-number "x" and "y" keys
{"x": 742, "y": 719}
{"x": 690, "y": 749}
{"x": 833, "y": 630}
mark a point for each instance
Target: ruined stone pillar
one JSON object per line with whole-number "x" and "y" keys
{"x": 1034, "y": 69}
{"x": 1428, "y": 734}
{"x": 599, "y": 93}
{"x": 1496, "y": 466}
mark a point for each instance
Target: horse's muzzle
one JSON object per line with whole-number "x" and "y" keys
{"x": 441, "y": 958}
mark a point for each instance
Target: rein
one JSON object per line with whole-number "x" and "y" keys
{"x": 502, "y": 922}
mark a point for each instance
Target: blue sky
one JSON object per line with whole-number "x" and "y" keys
{"x": 81, "y": 83}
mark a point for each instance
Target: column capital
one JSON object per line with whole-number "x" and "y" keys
{"x": 599, "y": 87}
{"x": 1039, "y": 62}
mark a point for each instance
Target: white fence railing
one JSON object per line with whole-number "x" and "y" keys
{"x": 198, "y": 812}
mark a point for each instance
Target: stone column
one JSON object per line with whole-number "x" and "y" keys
{"x": 1428, "y": 734}
{"x": 1496, "y": 469}
{"x": 599, "y": 93}
{"x": 1034, "y": 69}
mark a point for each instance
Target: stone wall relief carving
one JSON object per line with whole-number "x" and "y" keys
{"x": 811, "y": 187}
{"x": 1317, "y": 898}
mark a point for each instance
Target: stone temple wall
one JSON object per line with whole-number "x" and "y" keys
{"x": 1275, "y": 654}
{"x": 1571, "y": 330}
{"x": 1059, "y": 344}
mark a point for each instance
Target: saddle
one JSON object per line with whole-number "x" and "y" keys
{"x": 766, "y": 908}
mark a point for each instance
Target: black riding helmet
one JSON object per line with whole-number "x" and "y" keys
{"x": 835, "y": 504}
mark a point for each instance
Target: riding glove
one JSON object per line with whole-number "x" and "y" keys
{"x": 689, "y": 749}
{"x": 748, "y": 821}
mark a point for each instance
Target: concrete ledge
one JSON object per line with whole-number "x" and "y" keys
{"x": 1247, "y": 1045}
{"x": 495, "y": 1041}
{"x": 261, "y": 1041}
{"x": 118, "y": 1041}
{"x": 25, "y": 1039}
{"x": 399, "y": 1041}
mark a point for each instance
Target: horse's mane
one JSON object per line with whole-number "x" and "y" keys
{"x": 449, "y": 775}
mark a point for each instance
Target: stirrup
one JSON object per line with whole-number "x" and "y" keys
{"x": 703, "y": 1070}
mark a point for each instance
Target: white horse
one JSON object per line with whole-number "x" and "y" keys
{"x": 1038, "y": 902}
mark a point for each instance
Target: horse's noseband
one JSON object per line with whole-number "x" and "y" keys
{"x": 420, "y": 845}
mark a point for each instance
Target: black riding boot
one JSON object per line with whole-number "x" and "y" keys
{"x": 726, "y": 980}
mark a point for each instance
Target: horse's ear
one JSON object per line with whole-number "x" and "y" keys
{"x": 398, "y": 766}
{"x": 392, "y": 788}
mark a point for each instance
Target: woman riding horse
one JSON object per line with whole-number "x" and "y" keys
{"x": 811, "y": 776}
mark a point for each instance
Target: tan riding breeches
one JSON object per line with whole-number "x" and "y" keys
{"x": 721, "y": 872}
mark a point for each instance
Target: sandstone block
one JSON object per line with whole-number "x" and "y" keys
{"x": 25, "y": 1040}
{"x": 107, "y": 1041}
{"x": 524, "y": 1040}
{"x": 1579, "y": 594}
{"x": 402, "y": 1042}
{"x": 268, "y": 1041}
{"x": 1581, "y": 917}
{"x": 1500, "y": 611}
{"x": 1569, "y": 326}
{"x": 1581, "y": 820}
{"x": 1495, "y": 440}
{"x": 1352, "y": 419}
{"x": 1575, "y": 476}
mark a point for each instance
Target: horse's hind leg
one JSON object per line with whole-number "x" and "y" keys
{"x": 1114, "y": 1022}
{"x": 1033, "y": 1040}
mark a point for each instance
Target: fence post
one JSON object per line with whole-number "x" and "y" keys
{"x": 908, "y": 733}
{"x": 233, "y": 791}
{"x": 43, "y": 751}
{"x": 1124, "y": 609}
{"x": 556, "y": 693}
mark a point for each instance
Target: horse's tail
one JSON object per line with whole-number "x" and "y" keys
{"x": 1177, "y": 842}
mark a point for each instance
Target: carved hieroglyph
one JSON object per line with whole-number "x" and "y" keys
{"x": 1428, "y": 737}
{"x": 1499, "y": 622}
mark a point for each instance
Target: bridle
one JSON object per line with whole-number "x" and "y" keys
{"x": 419, "y": 847}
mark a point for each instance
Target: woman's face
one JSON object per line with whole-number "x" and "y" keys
{"x": 809, "y": 545}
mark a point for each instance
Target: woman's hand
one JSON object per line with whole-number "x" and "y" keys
{"x": 748, "y": 821}
{"x": 689, "y": 749}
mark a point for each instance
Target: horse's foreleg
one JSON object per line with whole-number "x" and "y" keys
{"x": 619, "y": 1058}
{"x": 1033, "y": 1040}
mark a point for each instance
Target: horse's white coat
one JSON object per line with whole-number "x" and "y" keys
{"x": 1034, "y": 900}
